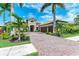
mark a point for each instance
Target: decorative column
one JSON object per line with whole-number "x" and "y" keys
{"x": 40, "y": 29}
{"x": 47, "y": 29}
{"x": 29, "y": 28}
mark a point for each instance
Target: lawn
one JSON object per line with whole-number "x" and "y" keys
{"x": 65, "y": 35}
{"x": 33, "y": 54}
{"x": 7, "y": 43}
{"x": 71, "y": 34}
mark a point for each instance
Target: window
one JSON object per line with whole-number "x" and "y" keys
{"x": 32, "y": 21}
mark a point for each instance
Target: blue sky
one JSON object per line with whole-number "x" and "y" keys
{"x": 33, "y": 10}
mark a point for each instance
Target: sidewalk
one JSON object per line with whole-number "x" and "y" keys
{"x": 76, "y": 38}
{"x": 17, "y": 50}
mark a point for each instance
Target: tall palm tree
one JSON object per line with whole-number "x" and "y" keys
{"x": 53, "y": 11}
{"x": 4, "y": 6}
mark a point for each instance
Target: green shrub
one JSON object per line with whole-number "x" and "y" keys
{"x": 24, "y": 37}
{"x": 55, "y": 34}
{"x": 50, "y": 33}
{"x": 13, "y": 38}
{"x": 5, "y": 35}
{"x": 37, "y": 30}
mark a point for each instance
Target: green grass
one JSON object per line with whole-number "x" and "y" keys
{"x": 7, "y": 43}
{"x": 70, "y": 34}
{"x": 65, "y": 35}
{"x": 33, "y": 54}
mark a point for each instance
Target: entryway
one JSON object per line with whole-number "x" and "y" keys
{"x": 31, "y": 28}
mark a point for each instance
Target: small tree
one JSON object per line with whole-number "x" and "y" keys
{"x": 25, "y": 27}
{"x": 60, "y": 27}
{"x": 76, "y": 19}
{"x": 18, "y": 24}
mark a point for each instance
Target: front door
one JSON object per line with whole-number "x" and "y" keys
{"x": 32, "y": 28}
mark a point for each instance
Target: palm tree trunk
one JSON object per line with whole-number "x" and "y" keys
{"x": 19, "y": 37}
{"x": 12, "y": 11}
{"x": 4, "y": 23}
{"x": 4, "y": 20}
{"x": 54, "y": 22}
{"x": 19, "y": 34}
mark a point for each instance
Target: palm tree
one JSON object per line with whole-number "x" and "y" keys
{"x": 53, "y": 11}
{"x": 4, "y": 6}
{"x": 18, "y": 24}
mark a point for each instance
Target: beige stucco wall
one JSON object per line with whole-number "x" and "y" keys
{"x": 32, "y": 23}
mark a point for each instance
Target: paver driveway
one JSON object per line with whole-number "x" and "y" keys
{"x": 48, "y": 45}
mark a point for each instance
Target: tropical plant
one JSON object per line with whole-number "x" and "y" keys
{"x": 53, "y": 11}
{"x": 76, "y": 19}
{"x": 71, "y": 28}
{"x": 25, "y": 27}
{"x": 76, "y": 22}
{"x": 19, "y": 23}
{"x": 60, "y": 26}
{"x": 5, "y": 35}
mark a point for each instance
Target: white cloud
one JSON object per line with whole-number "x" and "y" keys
{"x": 33, "y": 5}
{"x": 31, "y": 15}
{"x": 37, "y": 6}
{"x": 59, "y": 17}
{"x": 48, "y": 10}
{"x": 24, "y": 16}
{"x": 25, "y": 5}
{"x": 71, "y": 6}
{"x": 46, "y": 16}
{"x": 1, "y": 24}
{"x": 73, "y": 10}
